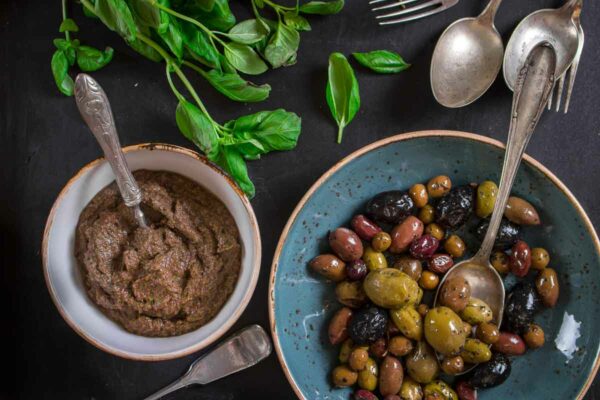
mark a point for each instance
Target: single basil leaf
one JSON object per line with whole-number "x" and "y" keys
{"x": 244, "y": 59}
{"x": 117, "y": 16}
{"x": 232, "y": 161}
{"x": 60, "y": 71}
{"x": 68, "y": 25}
{"x": 275, "y": 130}
{"x": 173, "y": 38}
{"x": 226, "y": 66}
{"x": 236, "y": 88}
{"x": 150, "y": 15}
{"x": 145, "y": 50}
{"x": 198, "y": 128}
{"x": 382, "y": 61}
{"x": 248, "y": 32}
{"x": 282, "y": 46}
{"x": 296, "y": 21}
{"x": 322, "y": 7}
{"x": 342, "y": 92}
{"x": 199, "y": 45}
{"x": 91, "y": 59}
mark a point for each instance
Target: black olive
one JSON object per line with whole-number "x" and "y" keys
{"x": 368, "y": 325}
{"x": 521, "y": 305}
{"x": 491, "y": 373}
{"x": 455, "y": 208}
{"x": 391, "y": 207}
{"x": 508, "y": 233}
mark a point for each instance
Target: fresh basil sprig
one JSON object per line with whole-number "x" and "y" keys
{"x": 382, "y": 61}
{"x": 342, "y": 92}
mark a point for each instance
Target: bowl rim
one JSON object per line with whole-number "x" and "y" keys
{"x": 232, "y": 319}
{"x": 381, "y": 143}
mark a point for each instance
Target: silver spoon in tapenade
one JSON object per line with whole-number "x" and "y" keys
{"x": 97, "y": 114}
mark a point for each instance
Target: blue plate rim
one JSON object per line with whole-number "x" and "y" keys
{"x": 381, "y": 143}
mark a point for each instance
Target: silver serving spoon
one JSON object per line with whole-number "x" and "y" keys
{"x": 534, "y": 84}
{"x": 96, "y": 112}
{"x": 554, "y": 26}
{"x": 243, "y": 350}
{"x": 467, "y": 59}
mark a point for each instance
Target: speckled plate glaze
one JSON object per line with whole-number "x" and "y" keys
{"x": 302, "y": 303}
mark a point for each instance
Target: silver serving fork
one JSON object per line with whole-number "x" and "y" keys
{"x": 409, "y": 11}
{"x": 572, "y": 71}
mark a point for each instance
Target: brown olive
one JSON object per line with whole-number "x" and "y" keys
{"x": 487, "y": 333}
{"x": 435, "y": 230}
{"x": 346, "y": 244}
{"x": 422, "y": 309}
{"x": 338, "y": 326}
{"x": 455, "y": 293}
{"x": 548, "y": 287}
{"x": 438, "y": 186}
{"x": 391, "y": 375}
{"x": 534, "y": 337}
{"x": 520, "y": 259}
{"x": 410, "y": 266}
{"x": 539, "y": 258}
{"x": 455, "y": 246}
{"x": 500, "y": 262}
{"x": 400, "y": 346}
{"x": 453, "y": 365}
{"x": 509, "y": 344}
{"x": 364, "y": 227}
{"x": 440, "y": 263}
{"x": 429, "y": 280}
{"x": 379, "y": 348}
{"x": 404, "y": 233}
{"x": 427, "y": 214}
{"x": 351, "y": 294}
{"x": 422, "y": 364}
{"x": 418, "y": 193}
{"x": 358, "y": 358}
{"x": 329, "y": 266}
{"x": 343, "y": 376}
{"x": 521, "y": 212}
{"x": 381, "y": 241}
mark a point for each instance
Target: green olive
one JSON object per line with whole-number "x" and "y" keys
{"x": 476, "y": 312}
{"x": 410, "y": 390}
{"x": 440, "y": 390}
{"x": 409, "y": 321}
{"x": 422, "y": 364}
{"x": 391, "y": 288}
{"x": 343, "y": 376}
{"x": 350, "y": 294}
{"x": 475, "y": 352}
{"x": 444, "y": 331}
{"x": 374, "y": 259}
{"x": 486, "y": 198}
{"x": 367, "y": 378}
{"x": 345, "y": 351}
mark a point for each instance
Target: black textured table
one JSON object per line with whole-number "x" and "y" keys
{"x": 44, "y": 142}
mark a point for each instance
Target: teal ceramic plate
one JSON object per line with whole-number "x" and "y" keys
{"x": 301, "y": 303}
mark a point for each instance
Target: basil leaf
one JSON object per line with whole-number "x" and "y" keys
{"x": 282, "y": 46}
{"x": 231, "y": 160}
{"x": 91, "y": 59}
{"x": 87, "y": 12}
{"x": 173, "y": 38}
{"x": 199, "y": 45}
{"x": 117, "y": 16}
{"x": 244, "y": 59}
{"x": 296, "y": 21}
{"x": 60, "y": 70}
{"x": 198, "y": 128}
{"x": 218, "y": 18}
{"x": 236, "y": 88}
{"x": 382, "y": 61}
{"x": 322, "y": 7}
{"x": 68, "y": 25}
{"x": 68, "y": 48}
{"x": 259, "y": 3}
{"x": 145, "y": 50}
{"x": 150, "y": 15}
{"x": 248, "y": 32}
{"x": 342, "y": 92}
{"x": 275, "y": 130}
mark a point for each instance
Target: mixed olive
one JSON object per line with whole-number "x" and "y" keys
{"x": 392, "y": 342}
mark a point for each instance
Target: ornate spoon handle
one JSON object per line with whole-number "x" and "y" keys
{"x": 95, "y": 110}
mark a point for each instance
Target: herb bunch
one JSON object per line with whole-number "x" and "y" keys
{"x": 202, "y": 36}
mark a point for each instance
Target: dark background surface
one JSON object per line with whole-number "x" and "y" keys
{"x": 44, "y": 142}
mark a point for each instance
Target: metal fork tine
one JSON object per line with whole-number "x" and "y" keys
{"x": 551, "y": 97}
{"x": 376, "y": 1}
{"x": 410, "y": 9}
{"x": 561, "y": 85}
{"x": 412, "y": 17}
{"x": 394, "y": 4}
{"x": 574, "y": 66}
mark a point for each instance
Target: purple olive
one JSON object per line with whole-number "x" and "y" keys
{"x": 424, "y": 247}
{"x": 356, "y": 270}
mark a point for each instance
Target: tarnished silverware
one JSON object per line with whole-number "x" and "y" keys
{"x": 410, "y": 10}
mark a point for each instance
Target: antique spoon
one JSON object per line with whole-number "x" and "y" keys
{"x": 96, "y": 112}
{"x": 534, "y": 84}
{"x": 467, "y": 59}
{"x": 243, "y": 350}
{"x": 555, "y": 26}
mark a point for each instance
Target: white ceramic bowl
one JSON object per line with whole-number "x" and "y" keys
{"x": 63, "y": 275}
